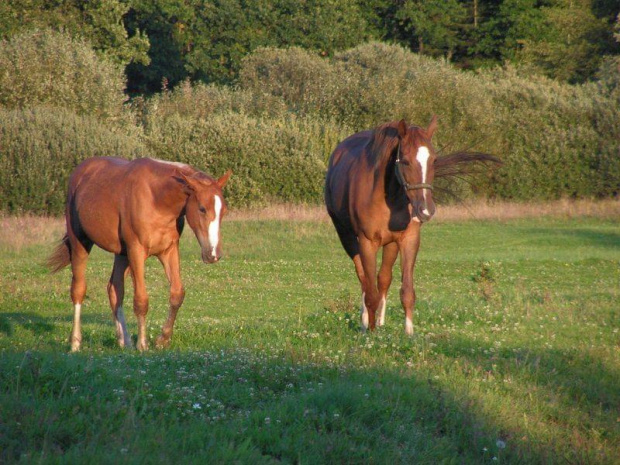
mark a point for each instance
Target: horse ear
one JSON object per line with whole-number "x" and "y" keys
{"x": 402, "y": 128}
{"x": 224, "y": 179}
{"x": 431, "y": 127}
{"x": 188, "y": 187}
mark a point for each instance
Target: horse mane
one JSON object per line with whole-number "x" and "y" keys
{"x": 383, "y": 141}
{"x": 461, "y": 164}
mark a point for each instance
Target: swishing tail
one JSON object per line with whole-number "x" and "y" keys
{"x": 60, "y": 257}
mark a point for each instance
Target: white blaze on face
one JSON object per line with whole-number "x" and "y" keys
{"x": 214, "y": 226}
{"x": 422, "y": 158}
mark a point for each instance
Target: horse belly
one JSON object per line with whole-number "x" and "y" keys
{"x": 102, "y": 228}
{"x": 98, "y": 219}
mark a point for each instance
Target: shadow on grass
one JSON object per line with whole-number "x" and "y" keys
{"x": 581, "y": 236}
{"x": 231, "y": 405}
{"x": 32, "y": 322}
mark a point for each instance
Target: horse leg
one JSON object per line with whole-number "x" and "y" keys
{"x": 116, "y": 293}
{"x": 390, "y": 252}
{"x": 408, "y": 249}
{"x": 140, "y": 297}
{"x": 79, "y": 258}
{"x": 359, "y": 270}
{"x": 349, "y": 241}
{"x": 368, "y": 256}
{"x": 171, "y": 263}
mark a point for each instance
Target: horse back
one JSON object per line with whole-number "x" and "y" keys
{"x": 343, "y": 164}
{"x": 111, "y": 201}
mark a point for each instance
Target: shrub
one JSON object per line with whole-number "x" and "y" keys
{"x": 51, "y": 68}
{"x": 557, "y": 140}
{"x": 272, "y": 159}
{"x": 40, "y": 146}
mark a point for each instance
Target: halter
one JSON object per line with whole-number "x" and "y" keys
{"x": 401, "y": 177}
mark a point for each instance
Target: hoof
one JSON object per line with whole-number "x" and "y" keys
{"x": 142, "y": 347}
{"x": 162, "y": 342}
{"x": 125, "y": 344}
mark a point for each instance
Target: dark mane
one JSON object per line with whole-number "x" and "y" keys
{"x": 382, "y": 143}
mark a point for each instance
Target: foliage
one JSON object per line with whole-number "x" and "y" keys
{"x": 436, "y": 24}
{"x": 273, "y": 159}
{"x": 292, "y": 108}
{"x": 50, "y": 68}
{"x": 556, "y": 139}
{"x": 100, "y": 22}
{"x": 40, "y": 146}
{"x": 207, "y": 40}
{"x": 570, "y": 47}
{"x": 168, "y": 41}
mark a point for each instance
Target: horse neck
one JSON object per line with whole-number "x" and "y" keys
{"x": 172, "y": 198}
{"x": 385, "y": 184}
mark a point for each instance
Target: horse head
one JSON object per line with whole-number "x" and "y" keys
{"x": 204, "y": 210}
{"x": 415, "y": 158}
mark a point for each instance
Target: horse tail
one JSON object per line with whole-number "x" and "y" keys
{"x": 61, "y": 256}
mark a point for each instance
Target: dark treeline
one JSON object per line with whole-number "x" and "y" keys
{"x": 168, "y": 41}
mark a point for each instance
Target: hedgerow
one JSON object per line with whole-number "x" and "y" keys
{"x": 40, "y": 146}
{"x": 44, "y": 67}
{"x": 290, "y": 110}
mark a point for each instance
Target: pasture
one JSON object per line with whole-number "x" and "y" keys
{"x": 515, "y": 357}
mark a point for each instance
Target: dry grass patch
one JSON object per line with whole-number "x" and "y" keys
{"x": 477, "y": 210}
{"x": 502, "y": 211}
{"x": 17, "y": 232}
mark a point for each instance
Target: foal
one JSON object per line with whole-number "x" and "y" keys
{"x": 136, "y": 209}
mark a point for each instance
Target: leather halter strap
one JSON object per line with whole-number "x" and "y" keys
{"x": 401, "y": 177}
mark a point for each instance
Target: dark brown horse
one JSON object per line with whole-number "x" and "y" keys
{"x": 136, "y": 209}
{"x": 378, "y": 193}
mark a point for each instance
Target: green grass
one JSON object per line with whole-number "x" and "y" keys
{"x": 516, "y": 357}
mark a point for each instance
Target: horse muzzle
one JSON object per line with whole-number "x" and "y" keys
{"x": 210, "y": 256}
{"x": 423, "y": 211}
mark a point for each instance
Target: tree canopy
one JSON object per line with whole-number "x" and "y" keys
{"x": 167, "y": 41}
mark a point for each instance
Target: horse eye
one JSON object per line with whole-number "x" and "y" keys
{"x": 202, "y": 209}
{"x": 404, "y": 162}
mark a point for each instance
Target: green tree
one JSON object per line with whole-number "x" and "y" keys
{"x": 207, "y": 39}
{"x": 98, "y": 21}
{"x": 435, "y": 26}
{"x": 168, "y": 25}
{"x": 570, "y": 45}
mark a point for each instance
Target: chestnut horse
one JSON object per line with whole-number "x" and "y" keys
{"x": 136, "y": 209}
{"x": 378, "y": 193}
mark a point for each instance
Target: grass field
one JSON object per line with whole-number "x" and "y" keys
{"x": 516, "y": 356}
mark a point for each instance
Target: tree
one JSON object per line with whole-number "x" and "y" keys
{"x": 207, "y": 39}
{"x": 98, "y": 21}
{"x": 435, "y": 26}
{"x": 570, "y": 45}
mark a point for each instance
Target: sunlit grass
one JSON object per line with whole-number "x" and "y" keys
{"x": 516, "y": 356}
